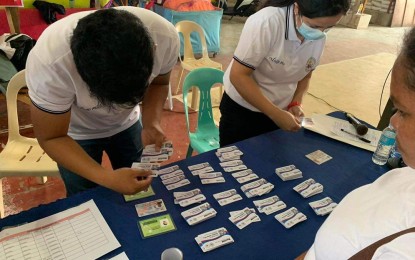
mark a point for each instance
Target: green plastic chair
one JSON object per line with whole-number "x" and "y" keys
{"x": 206, "y": 136}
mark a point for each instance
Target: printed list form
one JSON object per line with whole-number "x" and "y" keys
{"x": 77, "y": 233}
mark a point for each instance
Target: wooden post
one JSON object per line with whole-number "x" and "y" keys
{"x": 13, "y": 19}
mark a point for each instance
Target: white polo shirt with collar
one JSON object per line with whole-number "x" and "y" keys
{"x": 368, "y": 214}
{"x": 278, "y": 63}
{"x": 55, "y": 85}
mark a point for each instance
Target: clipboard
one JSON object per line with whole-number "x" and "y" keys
{"x": 330, "y": 127}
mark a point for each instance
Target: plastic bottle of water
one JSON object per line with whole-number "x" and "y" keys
{"x": 395, "y": 160}
{"x": 395, "y": 152}
{"x": 386, "y": 142}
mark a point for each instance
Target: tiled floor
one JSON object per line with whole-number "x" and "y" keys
{"x": 354, "y": 60}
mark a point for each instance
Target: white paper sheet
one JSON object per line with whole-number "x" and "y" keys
{"x": 77, "y": 233}
{"x": 330, "y": 127}
{"x": 121, "y": 256}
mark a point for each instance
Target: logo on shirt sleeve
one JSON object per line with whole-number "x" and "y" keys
{"x": 311, "y": 64}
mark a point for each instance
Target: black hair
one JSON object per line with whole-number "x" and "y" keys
{"x": 313, "y": 8}
{"x": 113, "y": 53}
{"x": 407, "y": 56}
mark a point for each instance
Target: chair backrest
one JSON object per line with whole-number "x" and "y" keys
{"x": 186, "y": 28}
{"x": 17, "y": 82}
{"x": 203, "y": 79}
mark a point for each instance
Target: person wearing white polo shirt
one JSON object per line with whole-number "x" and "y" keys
{"x": 86, "y": 76}
{"x": 377, "y": 221}
{"x": 279, "y": 47}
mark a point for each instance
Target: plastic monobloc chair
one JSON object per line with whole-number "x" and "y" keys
{"x": 206, "y": 136}
{"x": 22, "y": 156}
{"x": 189, "y": 62}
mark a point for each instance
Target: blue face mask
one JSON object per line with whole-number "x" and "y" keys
{"x": 310, "y": 33}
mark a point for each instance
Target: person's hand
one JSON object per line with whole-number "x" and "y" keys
{"x": 297, "y": 111}
{"x": 129, "y": 181}
{"x": 286, "y": 121}
{"x": 153, "y": 135}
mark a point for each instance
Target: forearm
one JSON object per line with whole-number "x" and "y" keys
{"x": 153, "y": 103}
{"x": 54, "y": 139}
{"x": 69, "y": 154}
{"x": 248, "y": 88}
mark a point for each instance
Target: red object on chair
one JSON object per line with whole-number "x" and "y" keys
{"x": 8, "y": 3}
{"x": 149, "y": 5}
{"x": 31, "y": 22}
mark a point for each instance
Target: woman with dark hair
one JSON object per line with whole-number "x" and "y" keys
{"x": 377, "y": 221}
{"x": 279, "y": 47}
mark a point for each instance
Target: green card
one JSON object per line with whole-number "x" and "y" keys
{"x": 156, "y": 226}
{"x": 142, "y": 194}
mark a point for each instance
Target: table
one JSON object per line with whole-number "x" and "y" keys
{"x": 350, "y": 168}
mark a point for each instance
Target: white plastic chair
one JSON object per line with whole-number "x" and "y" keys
{"x": 189, "y": 62}
{"x": 22, "y": 156}
{"x": 170, "y": 98}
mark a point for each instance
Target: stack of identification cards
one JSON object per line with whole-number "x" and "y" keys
{"x": 140, "y": 195}
{"x": 175, "y": 182}
{"x": 211, "y": 177}
{"x": 172, "y": 177}
{"x": 153, "y": 167}
{"x": 257, "y": 188}
{"x": 290, "y": 217}
{"x": 234, "y": 165}
{"x": 319, "y": 157}
{"x": 229, "y": 153}
{"x": 214, "y": 239}
{"x": 245, "y": 176}
{"x": 309, "y": 188}
{"x": 177, "y": 173}
{"x": 168, "y": 170}
{"x": 156, "y": 226}
{"x": 186, "y": 198}
{"x": 200, "y": 168}
{"x": 243, "y": 218}
{"x": 199, "y": 214}
{"x": 227, "y": 197}
{"x": 150, "y": 207}
{"x": 323, "y": 207}
{"x": 150, "y": 155}
{"x": 289, "y": 172}
{"x": 270, "y": 205}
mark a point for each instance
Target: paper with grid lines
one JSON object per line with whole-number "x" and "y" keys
{"x": 77, "y": 233}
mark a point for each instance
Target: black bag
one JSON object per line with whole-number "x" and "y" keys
{"x": 23, "y": 44}
{"x": 49, "y": 10}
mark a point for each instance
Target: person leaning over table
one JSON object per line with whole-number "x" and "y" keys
{"x": 386, "y": 206}
{"x": 86, "y": 76}
{"x": 279, "y": 47}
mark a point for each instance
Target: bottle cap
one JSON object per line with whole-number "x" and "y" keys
{"x": 172, "y": 254}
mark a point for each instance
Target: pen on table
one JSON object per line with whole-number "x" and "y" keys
{"x": 355, "y": 135}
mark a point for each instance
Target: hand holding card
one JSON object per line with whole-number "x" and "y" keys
{"x": 127, "y": 181}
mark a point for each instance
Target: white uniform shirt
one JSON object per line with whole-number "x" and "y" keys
{"x": 55, "y": 85}
{"x": 278, "y": 63}
{"x": 369, "y": 214}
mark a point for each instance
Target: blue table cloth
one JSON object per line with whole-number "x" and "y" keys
{"x": 350, "y": 168}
